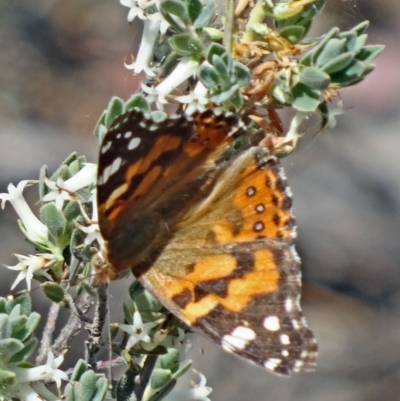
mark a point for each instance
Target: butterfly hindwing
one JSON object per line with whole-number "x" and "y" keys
{"x": 231, "y": 271}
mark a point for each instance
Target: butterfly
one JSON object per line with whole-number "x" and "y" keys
{"x": 208, "y": 230}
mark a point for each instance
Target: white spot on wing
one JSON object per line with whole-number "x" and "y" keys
{"x": 271, "y": 323}
{"x": 296, "y": 324}
{"x": 118, "y": 135}
{"x": 304, "y": 354}
{"x": 106, "y": 174}
{"x": 244, "y": 332}
{"x": 288, "y": 305}
{"x": 298, "y": 365}
{"x": 238, "y": 339}
{"x": 115, "y": 165}
{"x": 284, "y": 339}
{"x": 134, "y": 143}
{"x": 272, "y": 363}
{"x": 128, "y": 134}
{"x": 296, "y": 257}
{"x": 285, "y": 353}
{"x": 105, "y": 147}
{"x": 289, "y": 192}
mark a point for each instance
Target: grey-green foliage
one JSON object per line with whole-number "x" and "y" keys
{"x": 85, "y": 385}
{"x": 340, "y": 59}
{"x": 223, "y": 76}
{"x": 17, "y": 343}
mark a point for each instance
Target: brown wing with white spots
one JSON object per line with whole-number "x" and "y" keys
{"x": 231, "y": 271}
{"x": 149, "y": 174}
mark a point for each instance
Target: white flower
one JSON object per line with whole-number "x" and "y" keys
{"x": 196, "y": 100}
{"x": 138, "y": 330}
{"x": 25, "y": 377}
{"x": 154, "y": 95}
{"x": 28, "y": 265}
{"x": 33, "y": 228}
{"x": 185, "y": 69}
{"x": 62, "y": 190}
{"x": 199, "y": 393}
{"x": 145, "y": 53}
{"x": 92, "y": 232}
{"x": 293, "y": 134}
{"x": 137, "y": 8}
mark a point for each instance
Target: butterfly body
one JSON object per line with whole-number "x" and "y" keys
{"x": 209, "y": 232}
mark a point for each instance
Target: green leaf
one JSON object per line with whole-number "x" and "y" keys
{"x": 332, "y": 49}
{"x": 24, "y": 300}
{"x": 98, "y": 131}
{"x": 79, "y": 369}
{"x": 159, "y": 378}
{"x": 212, "y": 34}
{"x": 5, "y": 326}
{"x": 158, "y": 116}
{"x": 3, "y": 304}
{"x": 138, "y": 102}
{"x": 59, "y": 172}
{"x": 214, "y": 49}
{"x": 293, "y": 33}
{"x": 194, "y": 9}
{"x": 241, "y": 74}
{"x": 77, "y": 248}
{"x": 88, "y": 385}
{"x": 368, "y": 53}
{"x": 311, "y": 57}
{"x": 339, "y": 63}
{"x": 115, "y": 108}
{"x": 31, "y": 324}
{"x": 53, "y": 218}
{"x": 71, "y": 210}
{"x": 18, "y": 325}
{"x": 220, "y": 96}
{"x": 125, "y": 386}
{"x": 25, "y": 353}
{"x": 208, "y": 75}
{"x": 221, "y": 69}
{"x": 186, "y": 44}
{"x": 314, "y": 77}
{"x": 8, "y": 348}
{"x": 237, "y": 100}
{"x": 159, "y": 395}
{"x": 170, "y": 63}
{"x": 53, "y": 291}
{"x": 305, "y": 98}
{"x": 177, "y": 8}
{"x": 170, "y": 360}
{"x": 7, "y": 378}
{"x": 206, "y": 15}
{"x": 15, "y": 312}
{"x": 353, "y": 73}
{"x": 360, "y": 28}
{"x": 101, "y": 389}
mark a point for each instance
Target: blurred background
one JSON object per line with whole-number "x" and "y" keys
{"x": 60, "y": 62}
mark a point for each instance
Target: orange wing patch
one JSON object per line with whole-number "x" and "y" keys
{"x": 215, "y": 281}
